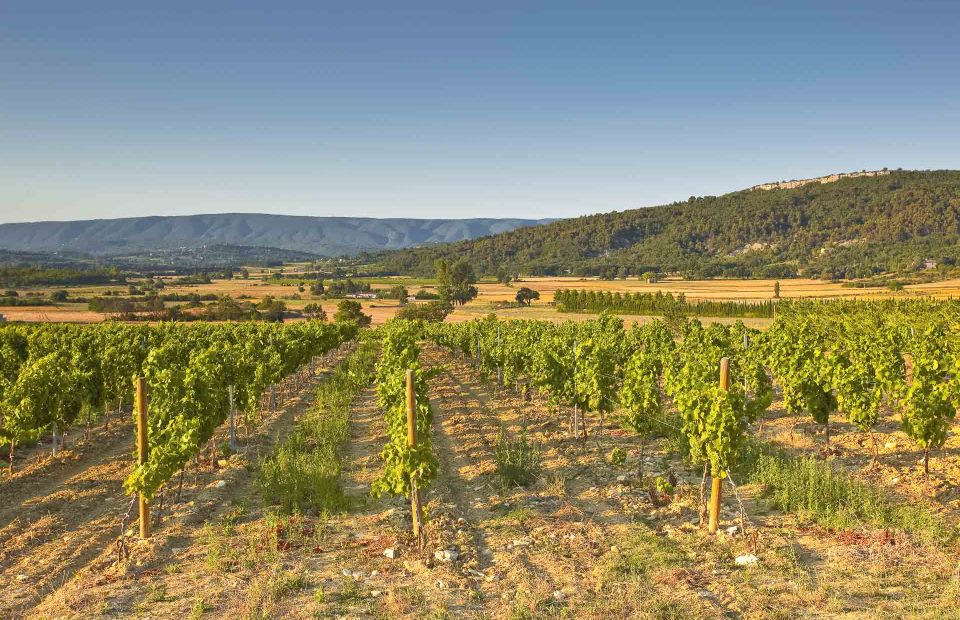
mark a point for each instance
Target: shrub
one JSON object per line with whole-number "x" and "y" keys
{"x": 349, "y": 310}
{"x": 315, "y": 311}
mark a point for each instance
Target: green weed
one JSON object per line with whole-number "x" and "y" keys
{"x": 640, "y": 555}
{"x": 303, "y": 474}
{"x": 518, "y": 461}
{"x": 834, "y": 499}
{"x": 199, "y": 608}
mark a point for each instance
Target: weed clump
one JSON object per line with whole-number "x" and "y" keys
{"x": 518, "y": 460}
{"x": 834, "y": 499}
{"x": 303, "y": 474}
{"x": 618, "y": 456}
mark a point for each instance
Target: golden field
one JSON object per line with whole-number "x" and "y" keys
{"x": 492, "y": 295}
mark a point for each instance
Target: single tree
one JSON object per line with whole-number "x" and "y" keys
{"x": 526, "y": 295}
{"x": 456, "y": 281}
{"x": 350, "y": 310}
{"x": 432, "y": 312}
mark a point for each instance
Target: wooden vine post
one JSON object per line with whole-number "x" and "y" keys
{"x": 233, "y": 427}
{"x": 716, "y": 487}
{"x": 499, "y": 356}
{"x": 415, "y": 506}
{"x": 576, "y": 407}
{"x": 143, "y": 450}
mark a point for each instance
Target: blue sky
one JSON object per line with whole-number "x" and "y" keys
{"x": 450, "y": 109}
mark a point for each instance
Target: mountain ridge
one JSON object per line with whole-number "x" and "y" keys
{"x": 326, "y": 236}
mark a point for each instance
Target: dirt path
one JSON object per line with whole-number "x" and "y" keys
{"x": 38, "y": 494}
{"x": 58, "y": 548}
{"x": 56, "y": 533}
{"x": 510, "y": 549}
{"x": 61, "y": 510}
{"x": 347, "y": 566}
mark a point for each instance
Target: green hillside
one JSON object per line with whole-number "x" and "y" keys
{"x": 853, "y": 227}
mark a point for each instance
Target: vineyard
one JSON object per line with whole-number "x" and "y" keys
{"x": 852, "y": 361}
{"x": 57, "y": 376}
{"x": 846, "y": 358}
{"x": 513, "y": 469}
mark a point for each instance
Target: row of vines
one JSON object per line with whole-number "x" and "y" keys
{"x": 409, "y": 464}
{"x": 55, "y": 376}
{"x": 859, "y": 360}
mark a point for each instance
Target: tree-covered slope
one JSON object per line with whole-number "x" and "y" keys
{"x": 852, "y": 227}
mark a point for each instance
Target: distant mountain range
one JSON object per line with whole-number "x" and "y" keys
{"x": 324, "y": 236}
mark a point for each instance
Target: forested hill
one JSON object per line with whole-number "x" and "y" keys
{"x": 325, "y": 236}
{"x": 853, "y": 227}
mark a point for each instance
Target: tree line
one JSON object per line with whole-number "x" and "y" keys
{"x": 659, "y": 303}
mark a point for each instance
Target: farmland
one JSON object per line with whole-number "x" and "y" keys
{"x": 492, "y": 296}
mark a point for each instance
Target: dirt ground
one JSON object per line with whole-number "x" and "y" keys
{"x": 380, "y": 312}
{"x": 70, "y": 313}
{"x": 587, "y": 540}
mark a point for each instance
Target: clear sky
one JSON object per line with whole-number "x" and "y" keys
{"x": 456, "y": 109}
